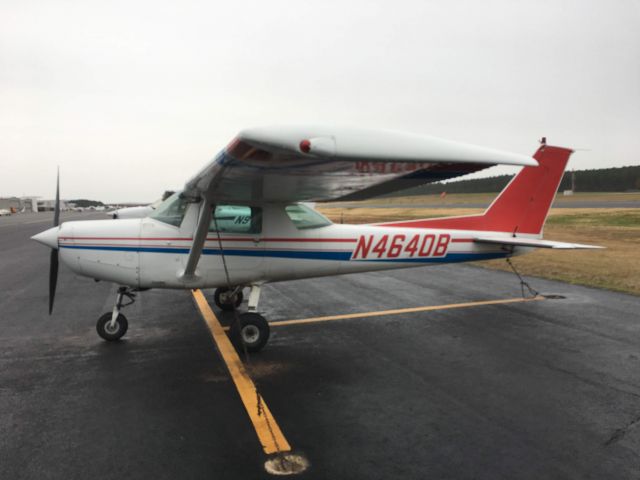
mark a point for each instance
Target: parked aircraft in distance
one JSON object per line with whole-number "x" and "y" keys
{"x": 242, "y": 222}
{"x": 140, "y": 211}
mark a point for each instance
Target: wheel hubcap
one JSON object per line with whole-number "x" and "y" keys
{"x": 112, "y": 329}
{"x": 250, "y": 334}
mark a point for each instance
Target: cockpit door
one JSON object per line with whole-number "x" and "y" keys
{"x": 235, "y": 232}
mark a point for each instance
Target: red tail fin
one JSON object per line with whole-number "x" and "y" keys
{"x": 523, "y": 205}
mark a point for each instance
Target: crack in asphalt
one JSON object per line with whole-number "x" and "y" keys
{"x": 621, "y": 432}
{"x": 591, "y": 382}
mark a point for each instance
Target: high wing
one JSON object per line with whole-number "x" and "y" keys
{"x": 532, "y": 242}
{"x": 293, "y": 164}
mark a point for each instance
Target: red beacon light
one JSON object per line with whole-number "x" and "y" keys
{"x": 305, "y": 146}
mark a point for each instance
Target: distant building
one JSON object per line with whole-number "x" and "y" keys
{"x": 27, "y": 204}
{"x": 49, "y": 205}
{"x": 10, "y": 203}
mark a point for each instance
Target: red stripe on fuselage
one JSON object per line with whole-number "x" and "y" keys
{"x": 213, "y": 247}
{"x": 215, "y": 239}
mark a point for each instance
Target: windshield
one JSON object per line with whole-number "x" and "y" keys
{"x": 156, "y": 204}
{"x": 304, "y": 217}
{"x": 171, "y": 211}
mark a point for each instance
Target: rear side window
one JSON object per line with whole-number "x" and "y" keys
{"x": 236, "y": 219}
{"x": 304, "y": 217}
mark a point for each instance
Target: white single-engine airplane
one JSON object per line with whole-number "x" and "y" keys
{"x": 241, "y": 222}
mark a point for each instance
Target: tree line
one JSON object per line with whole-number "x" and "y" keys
{"x": 620, "y": 179}
{"x": 84, "y": 203}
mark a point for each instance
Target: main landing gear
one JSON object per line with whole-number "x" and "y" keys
{"x": 228, "y": 299}
{"x": 113, "y": 325}
{"x": 248, "y": 330}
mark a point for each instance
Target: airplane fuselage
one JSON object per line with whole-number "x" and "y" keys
{"x": 148, "y": 253}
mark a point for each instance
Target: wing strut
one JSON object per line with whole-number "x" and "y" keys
{"x": 199, "y": 237}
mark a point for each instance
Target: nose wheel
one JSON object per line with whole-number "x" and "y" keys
{"x": 113, "y": 325}
{"x": 112, "y": 331}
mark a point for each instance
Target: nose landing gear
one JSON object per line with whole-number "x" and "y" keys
{"x": 112, "y": 326}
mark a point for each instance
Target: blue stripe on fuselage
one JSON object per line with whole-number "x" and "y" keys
{"x": 302, "y": 255}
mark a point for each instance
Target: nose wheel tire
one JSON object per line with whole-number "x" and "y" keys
{"x": 225, "y": 300}
{"x": 109, "y": 332}
{"x": 252, "y": 331}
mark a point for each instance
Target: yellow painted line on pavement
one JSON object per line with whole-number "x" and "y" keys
{"x": 266, "y": 427}
{"x": 399, "y": 311}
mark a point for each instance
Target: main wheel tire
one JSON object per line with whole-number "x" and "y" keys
{"x": 253, "y": 332}
{"x": 227, "y": 304}
{"x": 111, "y": 334}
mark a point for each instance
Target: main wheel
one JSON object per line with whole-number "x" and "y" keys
{"x": 115, "y": 332}
{"x": 225, "y": 300}
{"x": 253, "y": 332}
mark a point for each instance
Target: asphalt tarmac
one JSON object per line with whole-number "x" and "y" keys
{"x": 540, "y": 389}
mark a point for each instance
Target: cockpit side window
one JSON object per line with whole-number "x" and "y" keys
{"x": 237, "y": 219}
{"x": 171, "y": 211}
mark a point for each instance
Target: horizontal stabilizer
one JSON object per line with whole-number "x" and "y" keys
{"x": 532, "y": 242}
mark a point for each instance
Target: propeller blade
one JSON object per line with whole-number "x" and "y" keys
{"x": 53, "y": 277}
{"x": 56, "y": 211}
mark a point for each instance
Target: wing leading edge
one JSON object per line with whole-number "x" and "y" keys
{"x": 293, "y": 164}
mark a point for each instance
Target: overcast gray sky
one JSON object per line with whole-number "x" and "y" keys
{"x": 132, "y": 98}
